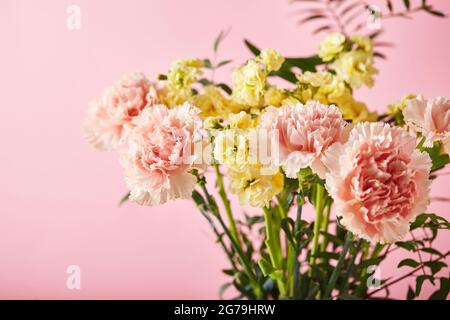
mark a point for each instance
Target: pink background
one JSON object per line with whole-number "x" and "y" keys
{"x": 58, "y": 196}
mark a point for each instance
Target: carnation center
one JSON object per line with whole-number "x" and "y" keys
{"x": 313, "y": 134}
{"x": 164, "y": 148}
{"x": 382, "y": 185}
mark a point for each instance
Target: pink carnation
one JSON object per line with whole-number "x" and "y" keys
{"x": 304, "y": 133}
{"x": 110, "y": 115}
{"x": 431, "y": 118}
{"x": 379, "y": 181}
{"x": 160, "y": 154}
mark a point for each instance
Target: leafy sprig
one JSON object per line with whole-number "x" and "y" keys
{"x": 351, "y": 16}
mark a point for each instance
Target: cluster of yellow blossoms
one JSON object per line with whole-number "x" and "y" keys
{"x": 254, "y": 184}
{"x": 347, "y": 65}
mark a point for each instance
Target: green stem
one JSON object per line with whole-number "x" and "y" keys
{"x": 348, "y": 272}
{"x": 320, "y": 191}
{"x": 326, "y": 222}
{"x": 281, "y": 209}
{"x": 227, "y": 205}
{"x": 298, "y": 238}
{"x": 362, "y": 288}
{"x": 337, "y": 269}
{"x": 218, "y": 236}
{"x": 289, "y": 249}
{"x": 246, "y": 263}
{"x": 273, "y": 238}
{"x": 244, "y": 260}
{"x": 274, "y": 247}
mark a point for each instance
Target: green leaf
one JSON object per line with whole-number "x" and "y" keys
{"x": 285, "y": 74}
{"x": 438, "y": 160}
{"x": 287, "y": 225}
{"x": 322, "y": 28}
{"x": 327, "y": 255}
{"x": 389, "y": 5}
{"x": 224, "y": 87}
{"x": 224, "y": 288}
{"x": 379, "y": 55}
{"x": 198, "y": 199}
{"x": 434, "y": 12}
{"x": 350, "y": 7}
{"x": 435, "y": 266}
{"x": 443, "y": 291}
{"x": 268, "y": 270}
{"x": 348, "y": 297}
{"x": 311, "y": 18}
{"x": 432, "y": 251}
{"x": 266, "y": 267}
{"x": 410, "y": 295}
{"x": 305, "y": 64}
{"x": 330, "y": 237}
{"x": 222, "y": 35}
{"x": 420, "y": 280}
{"x": 430, "y": 220}
{"x": 252, "y": 47}
{"x": 407, "y": 4}
{"x": 223, "y": 63}
{"x": 229, "y": 272}
{"x": 410, "y": 246}
{"x": 124, "y": 199}
{"x": 420, "y": 220}
{"x": 205, "y": 82}
{"x": 408, "y": 262}
{"x": 268, "y": 285}
{"x": 375, "y": 34}
{"x": 207, "y": 63}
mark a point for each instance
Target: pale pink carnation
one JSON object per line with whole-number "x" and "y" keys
{"x": 160, "y": 154}
{"x": 431, "y": 118}
{"x": 379, "y": 181}
{"x": 110, "y": 115}
{"x": 304, "y": 133}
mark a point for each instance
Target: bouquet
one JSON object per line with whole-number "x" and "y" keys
{"x": 279, "y": 149}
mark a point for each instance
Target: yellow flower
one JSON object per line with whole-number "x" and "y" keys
{"x": 334, "y": 89}
{"x": 331, "y": 46}
{"x": 249, "y": 83}
{"x": 292, "y": 100}
{"x": 363, "y": 42}
{"x": 241, "y": 120}
{"x": 231, "y": 148}
{"x": 321, "y": 86}
{"x": 400, "y": 105}
{"x": 183, "y": 73}
{"x": 232, "y": 141}
{"x": 356, "y": 68}
{"x": 315, "y": 79}
{"x": 255, "y": 185}
{"x": 213, "y": 103}
{"x": 355, "y": 110}
{"x": 213, "y": 123}
{"x": 271, "y": 59}
{"x": 330, "y": 89}
{"x": 273, "y": 97}
{"x": 176, "y": 96}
